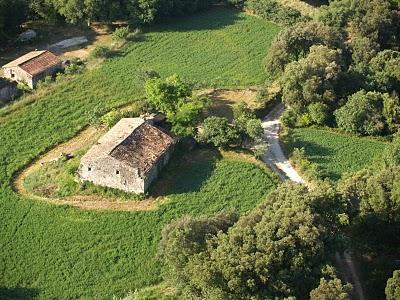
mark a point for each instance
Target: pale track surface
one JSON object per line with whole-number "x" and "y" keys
{"x": 274, "y": 156}
{"x": 279, "y": 163}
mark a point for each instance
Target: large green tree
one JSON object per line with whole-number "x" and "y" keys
{"x": 275, "y": 251}
{"x": 175, "y": 99}
{"x": 295, "y": 42}
{"x": 363, "y": 113}
{"x": 312, "y": 79}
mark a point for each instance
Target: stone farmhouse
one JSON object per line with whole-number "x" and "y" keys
{"x": 32, "y": 67}
{"x": 129, "y": 157}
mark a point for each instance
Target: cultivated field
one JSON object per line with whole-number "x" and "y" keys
{"x": 336, "y": 153}
{"x": 62, "y": 252}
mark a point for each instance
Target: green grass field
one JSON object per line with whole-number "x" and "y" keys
{"x": 62, "y": 252}
{"x": 336, "y": 153}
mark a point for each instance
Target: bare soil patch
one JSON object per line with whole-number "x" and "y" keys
{"x": 223, "y": 100}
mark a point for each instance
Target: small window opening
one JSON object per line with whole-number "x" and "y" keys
{"x": 89, "y": 169}
{"x": 117, "y": 172}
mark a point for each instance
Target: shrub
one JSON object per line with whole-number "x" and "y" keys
{"x": 392, "y": 290}
{"x": 319, "y": 113}
{"x": 254, "y": 129}
{"x": 75, "y": 66}
{"x": 217, "y": 131}
{"x": 121, "y": 34}
{"x": 305, "y": 120}
{"x": 101, "y": 52}
{"x": 362, "y": 114}
{"x": 111, "y": 118}
{"x": 274, "y": 11}
{"x": 289, "y": 118}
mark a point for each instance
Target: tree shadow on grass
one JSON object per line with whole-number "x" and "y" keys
{"x": 18, "y": 293}
{"x": 186, "y": 172}
{"x": 216, "y": 18}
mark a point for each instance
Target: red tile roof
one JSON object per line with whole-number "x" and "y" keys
{"x": 35, "y": 62}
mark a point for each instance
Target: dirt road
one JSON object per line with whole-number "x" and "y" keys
{"x": 274, "y": 156}
{"x": 280, "y": 164}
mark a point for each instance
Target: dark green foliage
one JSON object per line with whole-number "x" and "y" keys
{"x": 217, "y": 131}
{"x": 295, "y": 42}
{"x": 12, "y": 14}
{"x": 185, "y": 237}
{"x": 392, "y": 290}
{"x": 312, "y": 79}
{"x": 377, "y": 194}
{"x": 289, "y": 118}
{"x": 362, "y": 114}
{"x": 384, "y": 71}
{"x": 175, "y": 99}
{"x": 275, "y": 251}
{"x": 274, "y": 11}
{"x": 319, "y": 113}
{"x": 391, "y": 155}
{"x": 246, "y": 123}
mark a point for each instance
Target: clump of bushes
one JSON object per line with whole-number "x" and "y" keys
{"x": 121, "y": 34}
{"x": 273, "y": 10}
{"x": 245, "y": 131}
{"x": 101, "y": 52}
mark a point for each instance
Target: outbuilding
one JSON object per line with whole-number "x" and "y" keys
{"x": 32, "y": 67}
{"x": 129, "y": 156}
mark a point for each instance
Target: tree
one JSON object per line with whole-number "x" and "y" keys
{"x": 246, "y": 123}
{"x": 295, "y": 42}
{"x": 273, "y": 252}
{"x": 331, "y": 290}
{"x": 312, "y": 79}
{"x": 391, "y": 111}
{"x": 362, "y": 114}
{"x": 392, "y": 290}
{"x": 384, "y": 71}
{"x": 217, "y": 131}
{"x": 374, "y": 194}
{"x": 319, "y": 113}
{"x": 391, "y": 154}
{"x": 184, "y": 238}
{"x": 12, "y": 14}
{"x": 174, "y": 97}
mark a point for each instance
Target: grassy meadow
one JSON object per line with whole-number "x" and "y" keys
{"x": 50, "y": 251}
{"x": 336, "y": 153}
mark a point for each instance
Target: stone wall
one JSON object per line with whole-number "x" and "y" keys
{"x": 8, "y": 92}
{"x": 109, "y": 172}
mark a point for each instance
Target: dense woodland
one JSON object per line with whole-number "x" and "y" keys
{"x": 339, "y": 70}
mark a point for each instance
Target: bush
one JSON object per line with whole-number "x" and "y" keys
{"x": 274, "y": 11}
{"x": 75, "y": 66}
{"x": 254, "y": 129}
{"x": 393, "y": 286}
{"x": 319, "y": 113}
{"x": 289, "y": 118}
{"x": 121, "y": 34}
{"x": 217, "y": 131}
{"x": 101, "y": 52}
{"x": 362, "y": 114}
{"x": 111, "y": 118}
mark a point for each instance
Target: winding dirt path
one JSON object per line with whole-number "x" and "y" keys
{"x": 83, "y": 140}
{"x": 276, "y": 160}
{"x": 274, "y": 156}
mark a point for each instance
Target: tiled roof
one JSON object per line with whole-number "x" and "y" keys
{"x": 134, "y": 142}
{"x": 35, "y": 62}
